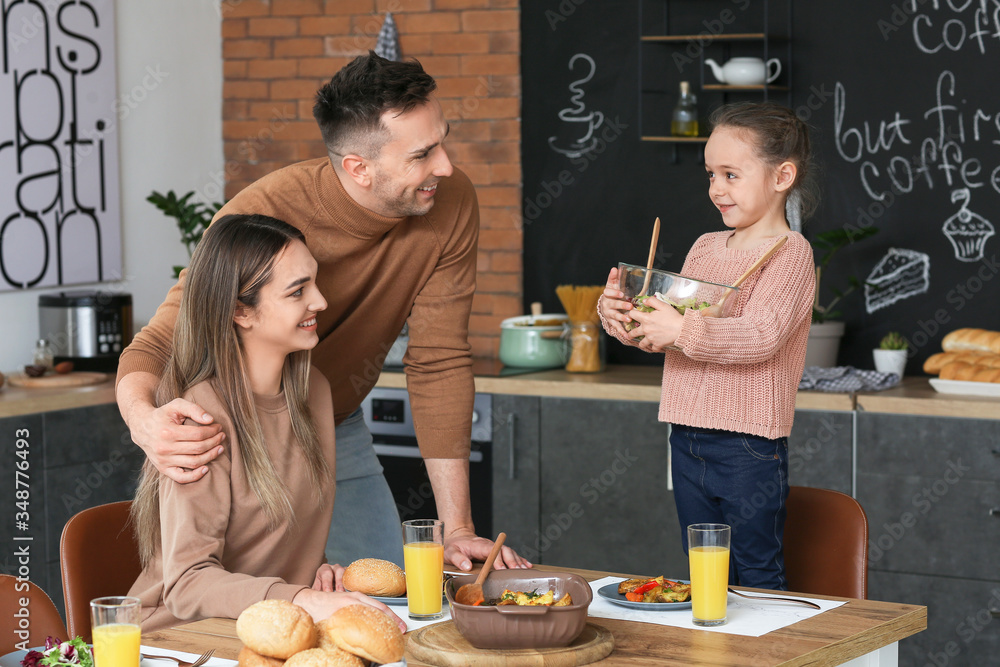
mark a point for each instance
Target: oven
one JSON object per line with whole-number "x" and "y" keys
{"x": 387, "y": 413}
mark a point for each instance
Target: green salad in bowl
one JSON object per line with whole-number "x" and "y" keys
{"x": 679, "y": 291}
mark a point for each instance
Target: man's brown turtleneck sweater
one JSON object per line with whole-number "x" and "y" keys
{"x": 376, "y": 274}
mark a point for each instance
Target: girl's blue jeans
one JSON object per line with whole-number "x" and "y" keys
{"x": 740, "y": 480}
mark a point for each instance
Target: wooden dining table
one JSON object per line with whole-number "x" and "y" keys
{"x": 860, "y": 633}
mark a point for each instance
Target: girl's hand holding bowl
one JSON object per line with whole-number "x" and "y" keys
{"x": 658, "y": 329}
{"x": 614, "y": 305}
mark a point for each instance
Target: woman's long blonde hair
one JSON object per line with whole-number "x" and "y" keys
{"x": 233, "y": 261}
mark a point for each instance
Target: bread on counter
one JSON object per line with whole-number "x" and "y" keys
{"x": 976, "y": 340}
{"x": 961, "y": 370}
{"x": 936, "y": 362}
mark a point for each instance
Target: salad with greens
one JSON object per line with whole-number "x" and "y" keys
{"x": 639, "y": 303}
{"x": 74, "y": 653}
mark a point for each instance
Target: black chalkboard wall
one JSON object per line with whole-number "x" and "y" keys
{"x": 902, "y": 100}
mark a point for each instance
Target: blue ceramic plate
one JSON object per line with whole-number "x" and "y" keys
{"x": 384, "y": 600}
{"x": 611, "y": 594}
{"x": 14, "y": 659}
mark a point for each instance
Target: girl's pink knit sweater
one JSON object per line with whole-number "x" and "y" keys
{"x": 741, "y": 373}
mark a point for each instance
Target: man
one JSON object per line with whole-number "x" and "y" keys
{"x": 394, "y": 228}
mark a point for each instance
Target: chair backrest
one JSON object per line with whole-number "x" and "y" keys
{"x": 26, "y": 624}
{"x": 826, "y": 543}
{"x": 98, "y": 556}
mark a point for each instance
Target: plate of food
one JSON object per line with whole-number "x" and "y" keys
{"x": 649, "y": 594}
{"x": 379, "y": 579}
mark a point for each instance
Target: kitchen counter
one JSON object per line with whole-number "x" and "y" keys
{"x": 18, "y": 401}
{"x": 914, "y": 396}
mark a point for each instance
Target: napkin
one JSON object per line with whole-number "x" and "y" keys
{"x": 189, "y": 657}
{"x": 846, "y": 379}
{"x": 744, "y": 617}
{"x": 416, "y": 625}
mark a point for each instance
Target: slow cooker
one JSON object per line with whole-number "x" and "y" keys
{"x": 88, "y": 328}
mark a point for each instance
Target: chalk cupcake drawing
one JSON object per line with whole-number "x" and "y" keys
{"x": 899, "y": 275}
{"x": 966, "y": 230}
{"x": 581, "y": 123}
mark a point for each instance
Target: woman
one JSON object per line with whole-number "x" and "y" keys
{"x": 255, "y": 526}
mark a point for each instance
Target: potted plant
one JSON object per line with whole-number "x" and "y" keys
{"x": 890, "y": 356}
{"x": 192, "y": 218}
{"x": 826, "y": 331}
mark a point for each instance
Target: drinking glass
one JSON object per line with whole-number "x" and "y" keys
{"x": 423, "y": 560}
{"x": 708, "y": 550}
{"x": 115, "y": 625}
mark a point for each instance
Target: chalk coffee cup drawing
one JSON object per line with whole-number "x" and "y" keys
{"x": 745, "y": 71}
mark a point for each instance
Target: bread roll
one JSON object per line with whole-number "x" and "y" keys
{"x": 317, "y": 657}
{"x": 373, "y": 576}
{"x": 986, "y": 375}
{"x": 248, "y": 658}
{"x": 365, "y": 631}
{"x": 980, "y": 340}
{"x": 960, "y": 370}
{"x": 276, "y": 628}
{"x": 936, "y": 362}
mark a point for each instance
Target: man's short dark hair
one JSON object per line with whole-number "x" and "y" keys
{"x": 349, "y": 108}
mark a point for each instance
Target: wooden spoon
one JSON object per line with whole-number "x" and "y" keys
{"x": 652, "y": 255}
{"x": 472, "y": 594}
{"x": 714, "y": 311}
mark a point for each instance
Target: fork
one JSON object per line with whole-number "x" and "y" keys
{"x": 202, "y": 659}
{"x": 776, "y": 599}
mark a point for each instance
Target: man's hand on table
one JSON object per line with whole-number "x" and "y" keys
{"x": 462, "y": 546}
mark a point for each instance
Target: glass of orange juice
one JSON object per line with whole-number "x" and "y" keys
{"x": 423, "y": 561}
{"x": 115, "y": 625}
{"x": 708, "y": 551}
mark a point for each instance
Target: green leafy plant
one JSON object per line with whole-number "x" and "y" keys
{"x": 825, "y": 246}
{"x": 893, "y": 341}
{"x": 192, "y": 218}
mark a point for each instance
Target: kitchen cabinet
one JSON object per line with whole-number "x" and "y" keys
{"x": 76, "y": 458}
{"x": 820, "y": 450}
{"x": 517, "y": 472}
{"x": 605, "y": 501}
{"x": 676, "y": 37}
{"x": 931, "y": 488}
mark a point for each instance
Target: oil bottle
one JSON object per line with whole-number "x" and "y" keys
{"x": 684, "y": 122}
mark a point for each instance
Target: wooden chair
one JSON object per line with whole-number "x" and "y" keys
{"x": 98, "y": 556}
{"x": 826, "y": 543}
{"x": 30, "y": 624}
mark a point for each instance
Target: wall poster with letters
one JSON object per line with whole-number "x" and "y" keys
{"x": 60, "y": 221}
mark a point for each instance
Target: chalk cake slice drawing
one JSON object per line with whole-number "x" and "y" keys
{"x": 966, "y": 230}
{"x": 899, "y": 275}
{"x": 579, "y": 136}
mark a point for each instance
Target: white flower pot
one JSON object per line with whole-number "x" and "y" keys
{"x": 824, "y": 342}
{"x": 890, "y": 361}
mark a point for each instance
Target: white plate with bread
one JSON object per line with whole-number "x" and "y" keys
{"x": 966, "y": 387}
{"x": 969, "y": 363}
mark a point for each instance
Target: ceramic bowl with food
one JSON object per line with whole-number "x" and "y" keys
{"x": 513, "y": 626}
{"x": 677, "y": 290}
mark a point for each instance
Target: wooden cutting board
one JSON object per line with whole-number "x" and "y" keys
{"x": 74, "y": 379}
{"x": 442, "y": 645}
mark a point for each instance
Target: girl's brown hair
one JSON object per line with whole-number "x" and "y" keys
{"x": 233, "y": 261}
{"x": 778, "y": 136}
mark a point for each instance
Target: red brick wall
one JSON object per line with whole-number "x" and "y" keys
{"x": 277, "y": 53}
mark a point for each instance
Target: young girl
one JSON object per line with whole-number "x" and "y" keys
{"x": 256, "y": 525}
{"x": 729, "y": 392}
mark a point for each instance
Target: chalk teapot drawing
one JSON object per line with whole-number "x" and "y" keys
{"x": 745, "y": 71}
